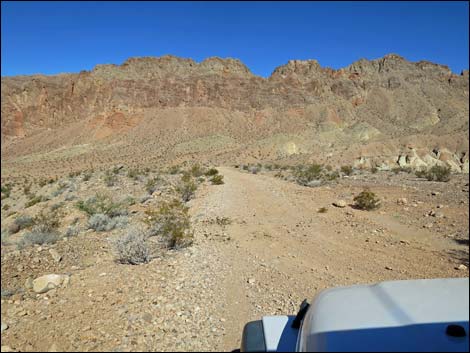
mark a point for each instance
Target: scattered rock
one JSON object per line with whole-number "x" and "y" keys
{"x": 45, "y": 283}
{"x": 251, "y": 281}
{"x": 28, "y": 284}
{"x": 4, "y": 328}
{"x": 13, "y": 228}
{"x": 402, "y": 201}
{"x": 461, "y": 267}
{"x": 340, "y": 203}
{"x": 428, "y": 225}
{"x": 388, "y": 268}
{"x": 55, "y": 255}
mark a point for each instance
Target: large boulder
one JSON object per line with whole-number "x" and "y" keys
{"x": 47, "y": 282}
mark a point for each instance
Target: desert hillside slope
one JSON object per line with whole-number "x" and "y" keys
{"x": 385, "y": 112}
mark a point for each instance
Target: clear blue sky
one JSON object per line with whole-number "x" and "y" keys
{"x": 54, "y": 37}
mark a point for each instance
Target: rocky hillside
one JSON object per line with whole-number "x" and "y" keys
{"x": 385, "y": 112}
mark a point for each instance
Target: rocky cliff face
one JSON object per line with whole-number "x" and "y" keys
{"x": 370, "y": 111}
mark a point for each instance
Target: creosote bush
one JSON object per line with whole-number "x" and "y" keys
{"x": 438, "y": 173}
{"x": 101, "y": 203}
{"x": 44, "y": 230}
{"x": 217, "y": 179}
{"x": 347, "y": 170}
{"x": 366, "y": 200}
{"x": 211, "y": 172}
{"x": 186, "y": 187}
{"x": 171, "y": 223}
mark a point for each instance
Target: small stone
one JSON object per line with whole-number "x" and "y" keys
{"x": 340, "y": 203}
{"x": 28, "y": 284}
{"x": 388, "y": 268}
{"x": 402, "y": 201}
{"x": 55, "y": 255}
{"x": 251, "y": 281}
{"x": 461, "y": 267}
{"x": 435, "y": 193}
{"x": 13, "y": 228}
{"x": 428, "y": 225}
{"x": 4, "y": 326}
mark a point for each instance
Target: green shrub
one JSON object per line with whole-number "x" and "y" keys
{"x": 438, "y": 173}
{"x": 101, "y": 203}
{"x": 196, "y": 171}
{"x": 366, "y": 200}
{"x": 174, "y": 169}
{"x": 211, "y": 172}
{"x": 217, "y": 179}
{"x": 27, "y": 189}
{"x": 87, "y": 175}
{"x": 421, "y": 173}
{"x": 305, "y": 175}
{"x": 171, "y": 223}
{"x": 186, "y": 188}
{"x": 133, "y": 173}
{"x": 6, "y": 190}
{"x": 6, "y": 207}
{"x": 151, "y": 185}
{"x": 109, "y": 178}
{"x": 347, "y": 170}
{"x": 34, "y": 200}
{"x": 374, "y": 170}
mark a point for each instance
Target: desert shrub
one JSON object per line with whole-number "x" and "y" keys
{"x": 56, "y": 206}
{"x": 223, "y": 221}
{"x": 245, "y": 167}
{"x": 132, "y": 248}
{"x": 42, "y": 182}
{"x": 186, "y": 188}
{"x": 396, "y": 170}
{"x": 421, "y": 173}
{"x": 103, "y": 223}
{"x": 174, "y": 169}
{"x": 151, "y": 185}
{"x": 27, "y": 189}
{"x": 6, "y": 190}
{"x": 74, "y": 174}
{"x": 254, "y": 169}
{"x": 70, "y": 197}
{"x": 211, "y": 172}
{"x": 374, "y": 170}
{"x": 196, "y": 171}
{"x": 101, "y": 203}
{"x": 40, "y": 234}
{"x": 50, "y": 220}
{"x": 268, "y": 167}
{"x": 306, "y": 175}
{"x": 171, "y": 223}
{"x": 133, "y": 173}
{"x": 347, "y": 170}
{"x": 24, "y": 221}
{"x": 5, "y": 236}
{"x": 438, "y": 173}
{"x": 366, "y": 200}
{"x": 322, "y": 210}
{"x": 34, "y": 200}
{"x": 6, "y": 207}
{"x": 331, "y": 176}
{"x": 109, "y": 178}
{"x": 60, "y": 189}
{"x": 87, "y": 175}
{"x": 44, "y": 230}
{"x": 72, "y": 230}
{"x": 217, "y": 179}
{"x": 129, "y": 200}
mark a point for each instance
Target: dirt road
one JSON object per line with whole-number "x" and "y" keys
{"x": 281, "y": 250}
{"x": 261, "y": 247}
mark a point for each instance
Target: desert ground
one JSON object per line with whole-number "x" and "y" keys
{"x": 261, "y": 244}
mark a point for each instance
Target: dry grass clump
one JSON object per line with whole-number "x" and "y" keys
{"x": 132, "y": 248}
{"x": 366, "y": 200}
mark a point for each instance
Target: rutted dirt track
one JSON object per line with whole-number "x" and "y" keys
{"x": 282, "y": 251}
{"x": 274, "y": 250}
